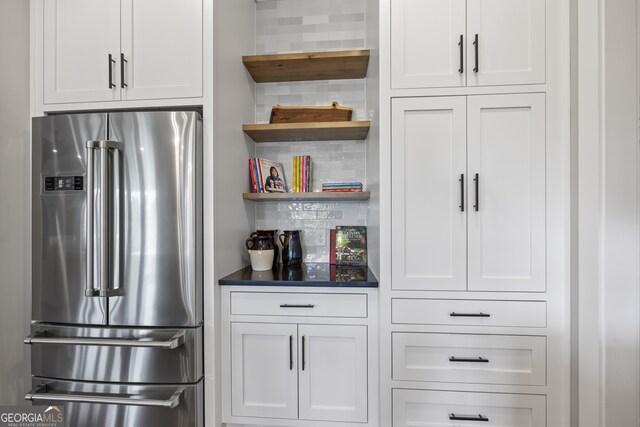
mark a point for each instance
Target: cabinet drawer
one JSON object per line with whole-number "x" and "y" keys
{"x": 528, "y": 314}
{"x": 481, "y": 359}
{"x": 427, "y": 408}
{"x": 298, "y": 304}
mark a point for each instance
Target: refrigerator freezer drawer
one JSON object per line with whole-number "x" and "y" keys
{"x": 156, "y": 356}
{"x": 118, "y": 405}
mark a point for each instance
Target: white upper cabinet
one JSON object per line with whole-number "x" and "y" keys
{"x": 468, "y": 193}
{"x": 162, "y": 47}
{"x": 428, "y": 180}
{"x": 79, "y": 36}
{"x": 111, "y": 50}
{"x": 506, "y": 42}
{"x": 507, "y": 231}
{"x": 427, "y": 46}
{"x": 452, "y": 43}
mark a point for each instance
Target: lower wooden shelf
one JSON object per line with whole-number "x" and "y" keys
{"x": 311, "y": 196}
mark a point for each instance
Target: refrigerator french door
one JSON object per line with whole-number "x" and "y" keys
{"x": 117, "y": 267}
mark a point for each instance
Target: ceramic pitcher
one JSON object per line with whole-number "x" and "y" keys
{"x": 291, "y": 247}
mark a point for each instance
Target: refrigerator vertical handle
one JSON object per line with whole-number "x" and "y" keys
{"x": 106, "y": 218}
{"x": 90, "y": 290}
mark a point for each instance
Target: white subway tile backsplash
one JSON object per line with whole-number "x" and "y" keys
{"x": 306, "y": 26}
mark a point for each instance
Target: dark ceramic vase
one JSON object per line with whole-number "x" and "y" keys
{"x": 291, "y": 248}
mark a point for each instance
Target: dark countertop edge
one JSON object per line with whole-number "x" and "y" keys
{"x": 240, "y": 278}
{"x": 298, "y": 283}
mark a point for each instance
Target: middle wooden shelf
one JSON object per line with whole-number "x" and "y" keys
{"x": 315, "y": 131}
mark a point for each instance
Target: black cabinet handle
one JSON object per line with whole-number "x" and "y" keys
{"x": 111, "y": 61}
{"x": 454, "y": 314}
{"x": 291, "y": 352}
{"x": 461, "y": 192}
{"x": 469, "y": 359}
{"x": 475, "y": 45}
{"x": 461, "y": 44}
{"x": 477, "y": 181}
{"x": 296, "y": 306}
{"x": 303, "y": 358}
{"x": 122, "y": 70}
{"x": 468, "y": 417}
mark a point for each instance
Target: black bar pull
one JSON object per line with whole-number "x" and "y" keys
{"x": 291, "y": 352}
{"x": 477, "y": 181}
{"x": 461, "y": 44}
{"x": 468, "y": 359}
{"x": 297, "y": 305}
{"x": 111, "y": 61}
{"x": 122, "y": 70}
{"x": 461, "y": 192}
{"x": 475, "y": 45}
{"x": 454, "y": 314}
{"x": 468, "y": 417}
{"x": 303, "y": 358}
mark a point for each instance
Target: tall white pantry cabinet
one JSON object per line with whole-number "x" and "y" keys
{"x": 475, "y": 282}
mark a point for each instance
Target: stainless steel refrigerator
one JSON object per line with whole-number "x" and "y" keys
{"x": 117, "y": 331}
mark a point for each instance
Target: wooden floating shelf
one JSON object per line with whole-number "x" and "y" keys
{"x": 295, "y": 67}
{"x": 316, "y": 196}
{"x": 319, "y": 131}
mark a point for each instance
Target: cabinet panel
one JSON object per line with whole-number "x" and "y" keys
{"x": 428, "y": 408}
{"x": 162, "y": 44}
{"x": 78, "y": 38}
{"x": 333, "y": 372}
{"x": 429, "y": 224}
{"x": 479, "y": 359}
{"x": 264, "y": 370}
{"x": 425, "y": 50}
{"x": 506, "y": 149}
{"x": 523, "y": 314}
{"x": 511, "y": 42}
{"x": 298, "y": 304}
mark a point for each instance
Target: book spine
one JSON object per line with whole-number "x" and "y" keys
{"x": 252, "y": 172}
{"x": 342, "y": 190}
{"x": 298, "y": 174}
{"x": 304, "y": 174}
{"x": 295, "y": 174}
{"x": 332, "y": 246}
{"x": 256, "y": 173}
{"x": 259, "y": 173}
{"x": 310, "y": 174}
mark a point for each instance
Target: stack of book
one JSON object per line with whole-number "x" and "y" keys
{"x": 302, "y": 174}
{"x": 266, "y": 176}
{"x": 340, "y": 187}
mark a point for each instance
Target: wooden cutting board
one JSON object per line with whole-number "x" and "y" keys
{"x": 332, "y": 113}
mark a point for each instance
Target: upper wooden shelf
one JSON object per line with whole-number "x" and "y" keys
{"x": 295, "y": 67}
{"x": 317, "y": 131}
{"x": 318, "y": 196}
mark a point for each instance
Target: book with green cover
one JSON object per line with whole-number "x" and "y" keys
{"x": 351, "y": 245}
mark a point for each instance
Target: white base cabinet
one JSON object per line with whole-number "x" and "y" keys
{"x": 300, "y": 358}
{"x": 427, "y": 408}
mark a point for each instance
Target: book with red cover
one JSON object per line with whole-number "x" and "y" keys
{"x": 332, "y": 246}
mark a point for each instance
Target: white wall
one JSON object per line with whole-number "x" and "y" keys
{"x": 15, "y": 307}
{"x": 608, "y": 213}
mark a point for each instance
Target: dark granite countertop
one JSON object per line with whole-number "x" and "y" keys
{"x": 309, "y": 274}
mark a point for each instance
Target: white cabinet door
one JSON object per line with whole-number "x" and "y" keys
{"x": 79, "y": 36}
{"x": 510, "y": 42}
{"x": 162, "y": 47}
{"x": 333, "y": 373}
{"x": 264, "y": 370}
{"x": 506, "y": 151}
{"x": 428, "y": 197}
{"x": 425, "y": 43}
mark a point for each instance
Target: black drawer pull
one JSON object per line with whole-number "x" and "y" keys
{"x": 296, "y": 306}
{"x": 454, "y": 314}
{"x": 291, "y": 352}
{"x": 468, "y": 359}
{"x": 468, "y": 417}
